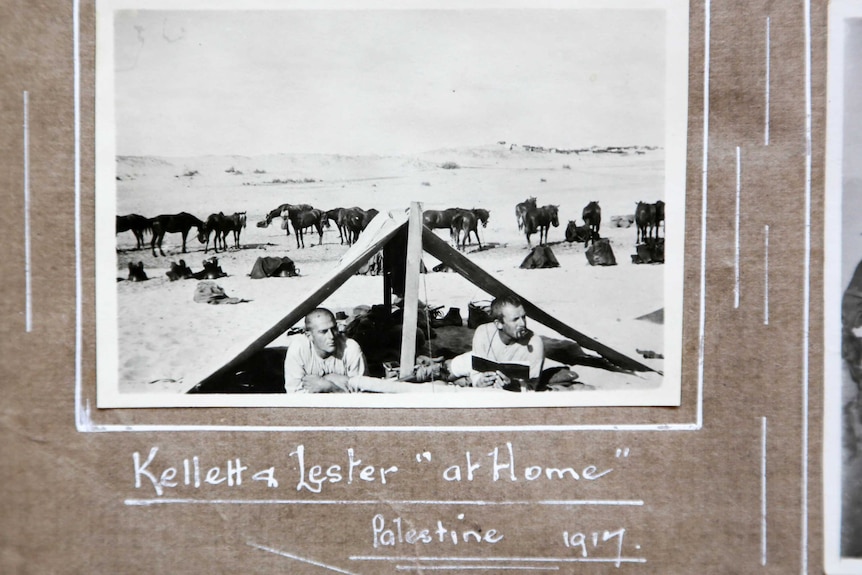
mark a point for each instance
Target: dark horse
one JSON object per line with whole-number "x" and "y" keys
{"x": 522, "y": 209}
{"x": 343, "y": 218}
{"x": 441, "y": 219}
{"x": 645, "y": 221}
{"x": 307, "y": 219}
{"x": 540, "y": 220}
{"x": 279, "y": 212}
{"x": 137, "y": 224}
{"x": 352, "y": 222}
{"x": 222, "y": 225}
{"x": 238, "y": 221}
{"x": 171, "y": 224}
{"x": 592, "y": 216}
{"x": 467, "y": 221}
{"x": 336, "y": 215}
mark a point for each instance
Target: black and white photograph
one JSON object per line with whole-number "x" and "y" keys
{"x": 843, "y": 297}
{"x": 399, "y": 204}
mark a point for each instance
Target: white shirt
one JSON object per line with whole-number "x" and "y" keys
{"x": 302, "y": 359}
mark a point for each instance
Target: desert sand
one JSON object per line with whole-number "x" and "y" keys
{"x": 164, "y": 337}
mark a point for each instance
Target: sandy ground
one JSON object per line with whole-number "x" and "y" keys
{"x": 164, "y": 336}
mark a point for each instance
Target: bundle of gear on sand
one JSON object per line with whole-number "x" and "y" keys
{"x": 378, "y": 332}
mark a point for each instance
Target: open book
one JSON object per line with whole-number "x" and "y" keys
{"x": 516, "y": 372}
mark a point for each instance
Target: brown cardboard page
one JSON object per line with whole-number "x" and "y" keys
{"x": 727, "y": 482}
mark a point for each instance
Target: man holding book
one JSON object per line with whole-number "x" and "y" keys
{"x": 505, "y": 349}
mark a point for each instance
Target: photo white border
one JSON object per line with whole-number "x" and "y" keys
{"x": 676, "y": 106}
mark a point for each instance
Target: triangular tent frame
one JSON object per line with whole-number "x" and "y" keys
{"x": 379, "y": 232}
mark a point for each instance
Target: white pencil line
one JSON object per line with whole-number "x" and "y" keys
{"x": 806, "y": 290}
{"x": 766, "y": 274}
{"x": 766, "y": 114}
{"x": 617, "y": 560}
{"x": 81, "y": 414}
{"x": 704, "y": 180}
{"x": 28, "y": 289}
{"x": 736, "y": 229}
{"x": 298, "y": 558}
{"x": 561, "y": 503}
{"x": 474, "y": 568}
{"x": 763, "y": 491}
{"x": 152, "y": 428}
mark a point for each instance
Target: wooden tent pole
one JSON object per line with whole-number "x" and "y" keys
{"x": 411, "y": 290}
{"x": 309, "y": 303}
{"x": 482, "y": 279}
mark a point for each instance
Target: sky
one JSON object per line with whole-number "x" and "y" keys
{"x": 191, "y": 83}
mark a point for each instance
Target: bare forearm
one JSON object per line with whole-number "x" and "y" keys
{"x": 326, "y": 384}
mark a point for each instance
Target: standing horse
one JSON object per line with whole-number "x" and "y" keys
{"x": 522, "y": 209}
{"x": 465, "y": 221}
{"x": 351, "y": 221}
{"x": 137, "y": 224}
{"x": 213, "y": 225}
{"x": 307, "y": 219}
{"x": 237, "y": 223}
{"x": 592, "y": 216}
{"x": 645, "y": 221}
{"x": 222, "y": 225}
{"x": 279, "y": 212}
{"x": 441, "y": 219}
{"x": 540, "y": 220}
{"x": 171, "y": 224}
{"x": 336, "y": 215}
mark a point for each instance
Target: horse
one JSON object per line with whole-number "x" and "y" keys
{"x": 352, "y": 222}
{"x": 172, "y": 223}
{"x": 592, "y": 216}
{"x": 645, "y": 221}
{"x": 540, "y": 220}
{"x": 279, "y": 212}
{"x": 342, "y": 217}
{"x": 137, "y": 224}
{"x": 482, "y": 215}
{"x": 222, "y": 225}
{"x": 238, "y": 222}
{"x": 336, "y": 215}
{"x": 441, "y": 219}
{"x": 307, "y": 219}
{"x": 522, "y": 209}
{"x": 213, "y": 223}
{"x": 465, "y": 221}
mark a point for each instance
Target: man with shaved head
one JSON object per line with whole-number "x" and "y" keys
{"x": 324, "y": 360}
{"x": 506, "y": 339}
